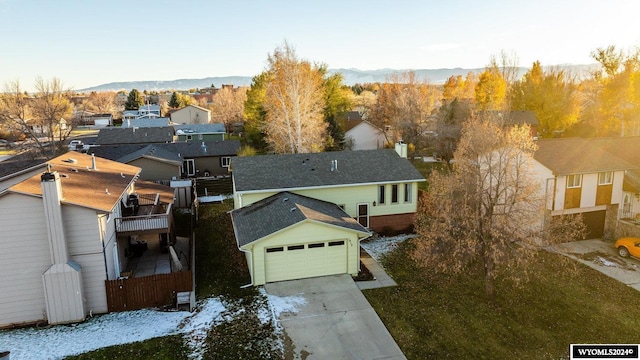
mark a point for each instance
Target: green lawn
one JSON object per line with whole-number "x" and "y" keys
{"x": 447, "y": 317}
{"x": 221, "y": 270}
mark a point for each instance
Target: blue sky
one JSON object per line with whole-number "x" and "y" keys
{"x": 87, "y": 43}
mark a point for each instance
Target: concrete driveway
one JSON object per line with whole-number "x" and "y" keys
{"x": 336, "y": 322}
{"x": 602, "y": 256}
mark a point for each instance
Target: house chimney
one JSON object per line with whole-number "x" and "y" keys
{"x": 401, "y": 149}
{"x": 51, "y": 197}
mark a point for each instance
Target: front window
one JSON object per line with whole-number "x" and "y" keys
{"x": 189, "y": 167}
{"x": 407, "y": 193}
{"x": 225, "y": 161}
{"x": 381, "y": 195}
{"x": 574, "y": 181}
{"x": 394, "y": 193}
{"x": 605, "y": 178}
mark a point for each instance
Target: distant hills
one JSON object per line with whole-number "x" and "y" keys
{"x": 351, "y": 77}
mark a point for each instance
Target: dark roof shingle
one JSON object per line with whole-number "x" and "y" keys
{"x": 284, "y": 209}
{"x": 290, "y": 171}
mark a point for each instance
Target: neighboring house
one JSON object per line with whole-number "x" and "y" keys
{"x": 581, "y": 176}
{"x": 288, "y": 236}
{"x": 162, "y": 162}
{"x": 376, "y": 187}
{"x": 363, "y": 135}
{"x": 200, "y": 132}
{"x": 148, "y": 111}
{"x": 144, "y": 122}
{"x": 150, "y": 135}
{"x": 191, "y": 114}
{"x": 92, "y": 119}
{"x": 628, "y": 149}
{"x": 67, "y": 230}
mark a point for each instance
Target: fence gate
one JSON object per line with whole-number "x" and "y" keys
{"x": 146, "y": 291}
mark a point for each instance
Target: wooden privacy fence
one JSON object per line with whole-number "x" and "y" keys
{"x": 146, "y": 291}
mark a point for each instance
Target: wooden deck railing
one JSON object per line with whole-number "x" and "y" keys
{"x": 154, "y": 222}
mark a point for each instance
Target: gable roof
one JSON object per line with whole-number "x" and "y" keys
{"x": 152, "y": 151}
{"x": 118, "y": 135}
{"x": 100, "y": 188}
{"x": 214, "y": 128}
{"x": 578, "y": 156}
{"x": 291, "y": 171}
{"x": 363, "y": 123}
{"x": 284, "y": 209}
{"x": 193, "y": 106}
{"x": 628, "y": 149}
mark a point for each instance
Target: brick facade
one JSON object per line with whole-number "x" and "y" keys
{"x": 392, "y": 224}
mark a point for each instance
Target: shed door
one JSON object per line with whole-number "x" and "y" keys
{"x": 305, "y": 260}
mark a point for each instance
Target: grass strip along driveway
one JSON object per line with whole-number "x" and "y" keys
{"x": 448, "y": 317}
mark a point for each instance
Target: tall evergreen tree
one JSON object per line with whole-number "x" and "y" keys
{"x": 134, "y": 100}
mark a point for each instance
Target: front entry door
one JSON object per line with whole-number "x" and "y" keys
{"x": 363, "y": 214}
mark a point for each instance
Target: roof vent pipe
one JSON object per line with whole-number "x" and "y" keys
{"x": 93, "y": 162}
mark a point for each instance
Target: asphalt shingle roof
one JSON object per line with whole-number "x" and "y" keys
{"x": 150, "y": 135}
{"x": 289, "y": 171}
{"x": 99, "y": 188}
{"x": 284, "y": 209}
{"x": 167, "y": 151}
{"x": 579, "y": 156}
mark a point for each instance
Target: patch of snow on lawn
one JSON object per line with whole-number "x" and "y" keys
{"x": 57, "y": 342}
{"x": 382, "y": 245}
{"x": 197, "y": 326}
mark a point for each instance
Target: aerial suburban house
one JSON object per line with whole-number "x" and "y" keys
{"x": 200, "y": 132}
{"x": 378, "y": 188}
{"x": 72, "y": 228}
{"x": 148, "y": 111}
{"x": 169, "y": 161}
{"x": 133, "y": 135}
{"x": 289, "y": 236}
{"x": 191, "y": 114}
{"x": 582, "y": 176}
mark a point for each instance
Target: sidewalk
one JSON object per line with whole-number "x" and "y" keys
{"x": 381, "y": 279}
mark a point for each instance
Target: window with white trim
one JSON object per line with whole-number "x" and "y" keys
{"x": 407, "y": 193}
{"x": 605, "y": 178}
{"x": 381, "y": 194}
{"x": 225, "y": 161}
{"x": 574, "y": 181}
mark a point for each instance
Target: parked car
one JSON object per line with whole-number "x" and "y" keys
{"x": 75, "y": 145}
{"x": 628, "y": 246}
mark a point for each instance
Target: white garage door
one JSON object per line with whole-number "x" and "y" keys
{"x": 305, "y": 260}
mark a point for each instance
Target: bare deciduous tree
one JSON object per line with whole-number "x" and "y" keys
{"x": 294, "y": 104}
{"x": 489, "y": 209}
{"x": 52, "y": 109}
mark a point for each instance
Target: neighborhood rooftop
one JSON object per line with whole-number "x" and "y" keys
{"x": 98, "y": 187}
{"x": 579, "y": 156}
{"x": 285, "y": 209}
{"x": 293, "y": 171}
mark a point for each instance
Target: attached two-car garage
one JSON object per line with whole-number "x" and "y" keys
{"x": 288, "y": 236}
{"x": 305, "y": 260}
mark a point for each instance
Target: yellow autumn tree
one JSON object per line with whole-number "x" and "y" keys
{"x": 491, "y": 89}
{"x": 294, "y": 104}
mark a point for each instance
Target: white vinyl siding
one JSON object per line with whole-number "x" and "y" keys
{"x": 25, "y": 256}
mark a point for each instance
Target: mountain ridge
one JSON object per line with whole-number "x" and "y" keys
{"x": 351, "y": 76}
